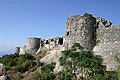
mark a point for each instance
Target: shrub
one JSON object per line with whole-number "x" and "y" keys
{"x": 11, "y": 63}
{"x": 6, "y": 68}
{"x": 46, "y": 72}
{"x": 20, "y": 63}
{"x": 27, "y": 56}
{"x": 37, "y": 76}
{"x": 43, "y": 76}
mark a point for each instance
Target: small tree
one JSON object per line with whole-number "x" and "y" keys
{"x": 76, "y": 60}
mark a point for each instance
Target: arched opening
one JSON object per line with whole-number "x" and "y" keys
{"x": 52, "y": 40}
{"x": 47, "y": 42}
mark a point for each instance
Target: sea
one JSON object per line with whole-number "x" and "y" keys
{"x": 5, "y": 52}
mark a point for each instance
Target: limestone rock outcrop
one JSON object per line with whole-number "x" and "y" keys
{"x": 4, "y": 77}
{"x": 53, "y": 56}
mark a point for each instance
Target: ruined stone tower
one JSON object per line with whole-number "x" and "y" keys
{"x": 33, "y": 44}
{"x": 81, "y": 29}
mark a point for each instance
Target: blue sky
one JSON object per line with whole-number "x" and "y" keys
{"x": 20, "y": 19}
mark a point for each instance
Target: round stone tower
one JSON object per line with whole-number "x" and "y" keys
{"x": 81, "y": 29}
{"x": 33, "y": 44}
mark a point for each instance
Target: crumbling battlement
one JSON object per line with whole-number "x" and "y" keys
{"x": 102, "y": 23}
{"x": 53, "y": 42}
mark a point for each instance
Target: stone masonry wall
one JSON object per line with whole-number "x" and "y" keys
{"x": 108, "y": 45}
{"x": 81, "y": 29}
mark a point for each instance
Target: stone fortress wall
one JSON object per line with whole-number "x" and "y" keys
{"x": 34, "y": 45}
{"x": 108, "y": 45}
{"x": 94, "y": 34}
